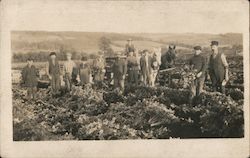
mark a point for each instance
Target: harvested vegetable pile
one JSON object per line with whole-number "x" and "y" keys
{"x": 141, "y": 113}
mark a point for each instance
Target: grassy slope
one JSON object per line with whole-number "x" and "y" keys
{"x": 88, "y": 41}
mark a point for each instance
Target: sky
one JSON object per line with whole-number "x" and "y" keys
{"x": 127, "y": 16}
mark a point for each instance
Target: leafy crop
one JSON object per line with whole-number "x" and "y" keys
{"x": 141, "y": 113}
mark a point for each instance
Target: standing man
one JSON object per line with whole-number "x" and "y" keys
{"x": 53, "y": 71}
{"x": 99, "y": 71}
{"x": 218, "y": 68}
{"x": 145, "y": 64}
{"x": 155, "y": 66}
{"x": 29, "y": 76}
{"x": 129, "y": 47}
{"x": 198, "y": 65}
{"x": 120, "y": 71}
{"x": 84, "y": 73}
{"x": 68, "y": 66}
{"x": 133, "y": 69}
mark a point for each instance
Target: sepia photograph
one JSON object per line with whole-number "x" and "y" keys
{"x": 78, "y": 85}
{"x": 122, "y": 71}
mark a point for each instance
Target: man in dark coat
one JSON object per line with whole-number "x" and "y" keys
{"x": 84, "y": 73}
{"x": 198, "y": 65}
{"x": 120, "y": 71}
{"x": 218, "y": 68}
{"x": 30, "y": 76}
{"x": 133, "y": 69}
{"x": 54, "y": 73}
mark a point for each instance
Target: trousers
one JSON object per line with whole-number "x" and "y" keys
{"x": 146, "y": 77}
{"x": 31, "y": 92}
{"x": 133, "y": 76}
{"x": 55, "y": 83}
{"x": 119, "y": 83}
{"x": 197, "y": 86}
{"x": 68, "y": 82}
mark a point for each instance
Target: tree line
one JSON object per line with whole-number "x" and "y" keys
{"x": 104, "y": 48}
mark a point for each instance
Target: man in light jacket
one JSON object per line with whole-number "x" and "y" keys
{"x": 145, "y": 63}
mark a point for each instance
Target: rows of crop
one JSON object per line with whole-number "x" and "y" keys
{"x": 141, "y": 113}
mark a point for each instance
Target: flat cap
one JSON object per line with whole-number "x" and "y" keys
{"x": 52, "y": 53}
{"x": 197, "y": 48}
{"x": 214, "y": 43}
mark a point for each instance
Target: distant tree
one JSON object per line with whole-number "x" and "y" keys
{"x": 105, "y": 46}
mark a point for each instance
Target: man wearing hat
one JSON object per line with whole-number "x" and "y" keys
{"x": 133, "y": 69}
{"x": 198, "y": 65}
{"x": 30, "y": 76}
{"x": 54, "y": 73}
{"x": 119, "y": 72}
{"x": 84, "y": 73}
{"x": 129, "y": 47}
{"x": 218, "y": 68}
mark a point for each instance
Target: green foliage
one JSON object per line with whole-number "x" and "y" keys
{"x": 139, "y": 113}
{"x": 221, "y": 116}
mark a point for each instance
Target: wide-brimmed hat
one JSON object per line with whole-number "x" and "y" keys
{"x": 52, "y": 53}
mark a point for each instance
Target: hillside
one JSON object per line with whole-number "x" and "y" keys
{"x": 36, "y": 41}
{"x": 195, "y": 39}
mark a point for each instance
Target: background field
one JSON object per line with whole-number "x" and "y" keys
{"x": 28, "y": 41}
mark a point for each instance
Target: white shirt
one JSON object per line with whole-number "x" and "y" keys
{"x": 68, "y": 66}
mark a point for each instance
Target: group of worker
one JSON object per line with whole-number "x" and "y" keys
{"x": 217, "y": 67}
{"x": 142, "y": 67}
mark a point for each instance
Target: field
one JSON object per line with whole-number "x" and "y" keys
{"x": 29, "y": 41}
{"x": 142, "y": 112}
